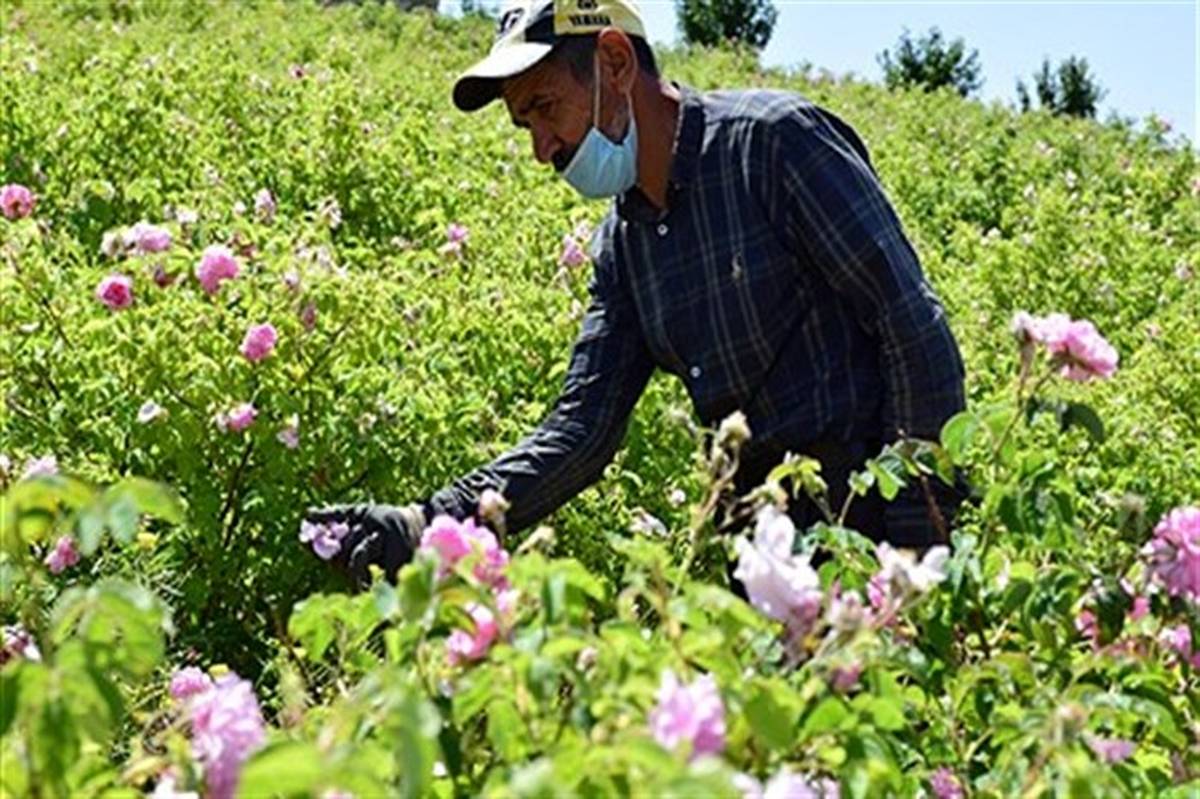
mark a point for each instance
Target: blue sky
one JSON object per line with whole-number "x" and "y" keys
{"x": 1144, "y": 52}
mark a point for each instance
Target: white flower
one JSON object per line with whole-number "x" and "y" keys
{"x": 150, "y": 411}
{"x": 781, "y": 585}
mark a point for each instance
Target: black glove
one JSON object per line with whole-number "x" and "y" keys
{"x": 385, "y": 535}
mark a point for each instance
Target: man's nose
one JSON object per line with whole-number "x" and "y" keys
{"x": 545, "y": 145}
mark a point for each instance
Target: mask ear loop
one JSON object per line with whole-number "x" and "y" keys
{"x": 596, "y": 93}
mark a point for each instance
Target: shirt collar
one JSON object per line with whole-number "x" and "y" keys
{"x": 685, "y": 156}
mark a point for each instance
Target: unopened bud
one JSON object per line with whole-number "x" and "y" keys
{"x": 492, "y": 506}
{"x": 734, "y": 430}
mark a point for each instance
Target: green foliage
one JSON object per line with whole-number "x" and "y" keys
{"x": 713, "y": 22}
{"x": 931, "y": 63}
{"x": 1068, "y": 91}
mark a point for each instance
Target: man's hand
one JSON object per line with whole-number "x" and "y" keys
{"x": 385, "y": 535}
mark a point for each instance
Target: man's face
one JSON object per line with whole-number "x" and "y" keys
{"x": 554, "y": 106}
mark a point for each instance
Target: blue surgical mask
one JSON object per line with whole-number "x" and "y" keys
{"x": 601, "y": 167}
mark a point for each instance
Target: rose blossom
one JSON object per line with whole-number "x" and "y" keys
{"x": 1110, "y": 750}
{"x": 18, "y": 643}
{"x": 115, "y": 291}
{"x": 264, "y": 205}
{"x": 572, "y": 254}
{"x": 945, "y": 785}
{"x": 781, "y": 585}
{"x": 63, "y": 556}
{"x": 456, "y": 237}
{"x": 16, "y": 201}
{"x": 326, "y": 539}
{"x": 150, "y": 411}
{"x": 451, "y": 541}
{"x": 227, "y": 727}
{"x": 464, "y": 645}
{"x": 146, "y": 238}
{"x": 238, "y": 419}
{"x": 693, "y": 713}
{"x": 289, "y": 435}
{"x": 1174, "y": 553}
{"x": 259, "y": 342}
{"x": 45, "y": 466}
{"x": 188, "y": 682}
{"x": 217, "y": 264}
{"x": 1075, "y": 344}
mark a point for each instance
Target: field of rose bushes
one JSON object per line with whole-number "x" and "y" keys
{"x": 252, "y": 261}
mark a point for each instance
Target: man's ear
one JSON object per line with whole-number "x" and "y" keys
{"x": 618, "y": 62}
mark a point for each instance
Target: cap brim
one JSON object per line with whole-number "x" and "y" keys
{"x": 480, "y": 84}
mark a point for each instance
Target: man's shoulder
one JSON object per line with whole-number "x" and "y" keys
{"x": 726, "y": 106}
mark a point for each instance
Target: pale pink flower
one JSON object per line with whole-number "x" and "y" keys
{"x": 945, "y": 785}
{"x": 145, "y": 238}
{"x": 115, "y": 291}
{"x": 572, "y": 254}
{"x": 289, "y": 435}
{"x": 150, "y": 411}
{"x": 186, "y": 216}
{"x": 264, "y": 205}
{"x": 241, "y": 417}
{"x": 781, "y": 585}
{"x": 846, "y": 612}
{"x": 1076, "y": 345}
{"x": 689, "y": 713}
{"x": 451, "y": 541}
{"x": 901, "y": 578}
{"x": 786, "y": 784}
{"x": 112, "y": 244}
{"x": 326, "y": 539}
{"x": 1110, "y": 750}
{"x": 227, "y": 727}
{"x": 308, "y": 316}
{"x": 18, "y": 643}
{"x": 1179, "y": 640}
{"x": 16, "y": 201}
{"x": 217, "y": 264}
{"x": 473, "y": 645}
{"x": 259, "y": 342}
{"x": 456, "y": 238}
{"x": 1141, "y": 607}
{"x": 1174, "y": 553}
{"x": 189, "y": 682}
{"x": 45, "y": 466}
{"x": 63, "y": 556}
{"x": 291, "y": 279}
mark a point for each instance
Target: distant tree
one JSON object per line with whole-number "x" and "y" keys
{"x": 1067, "y": 91}
{"x": 931, "y": 62}
{"x": 710, "y": 22}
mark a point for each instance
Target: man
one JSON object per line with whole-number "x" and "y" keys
{"x": 750, "y": 250}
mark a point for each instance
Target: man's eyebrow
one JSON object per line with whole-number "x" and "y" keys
{"x": 534, "y": 100}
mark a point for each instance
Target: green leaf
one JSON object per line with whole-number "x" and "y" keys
{"x": 1077, "y": 414}
{"x": 958, "y": 433}
{"x": 773, "y": 711}
{"x": 829, "y": 713}
{"x": 286, "y": 768}
{"x": 887, "y": 713}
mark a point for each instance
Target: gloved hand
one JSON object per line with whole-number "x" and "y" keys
{"x": 385, "y": 535}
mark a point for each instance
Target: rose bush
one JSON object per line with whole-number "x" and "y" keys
{"x": 244, "y": 259}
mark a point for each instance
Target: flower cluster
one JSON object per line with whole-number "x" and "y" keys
{"x": 1174, "y": 553}
{"x": 259, "y": 342}
{"x": 227, "y": 727}
{"x": 326, "y": 539}
{"x": 450, "y": 542}
{"x": 217, "y": 264}
{"x": 693, "y": 714}
{"x": 1074, "y": 345}
{"x": 63, "y": 556}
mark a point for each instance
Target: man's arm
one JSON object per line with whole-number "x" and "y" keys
{"x": 820, "y": 189}
{"x": 568, "y": 451}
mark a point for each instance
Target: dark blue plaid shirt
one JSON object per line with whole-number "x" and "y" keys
{"x": 778, "y": 281}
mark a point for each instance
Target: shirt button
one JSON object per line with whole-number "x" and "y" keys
{"x": 662, "y": 230}
{"x": 694, "y": 372}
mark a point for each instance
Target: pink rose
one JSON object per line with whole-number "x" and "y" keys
{"x": 217, "y": 264}
{"x": 18, "y": 643}
{"x": 689, "y": 713}
{"x": 146, "y": 238}
{"x": 781, "y": 585}
{"x": 45, "y": 466}
{"x": 1174, "y": 553}
{"x": 115, "y": 291}
{"x": 241, "y": 417}
{"x": 1110, "y": 750}
{"x": 227, "y": 727}
{"x": 259, "y": 342}
{"x": 289, "y": 435}
{"x": 463, "y": 645}
{"x": 16, "y": 201}
{"x": 456, "y": 237}
{"x": 1075, "y": 344}
{"x": 63, "y": 556}
{"x": 264, "y": 205}
{"x": 945, "y": 785}
{"x": 451, "y": 541}
{"x": 325, "y": 539}
{"x": 572, "y": 254}
{"x": 189, "y": 682}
